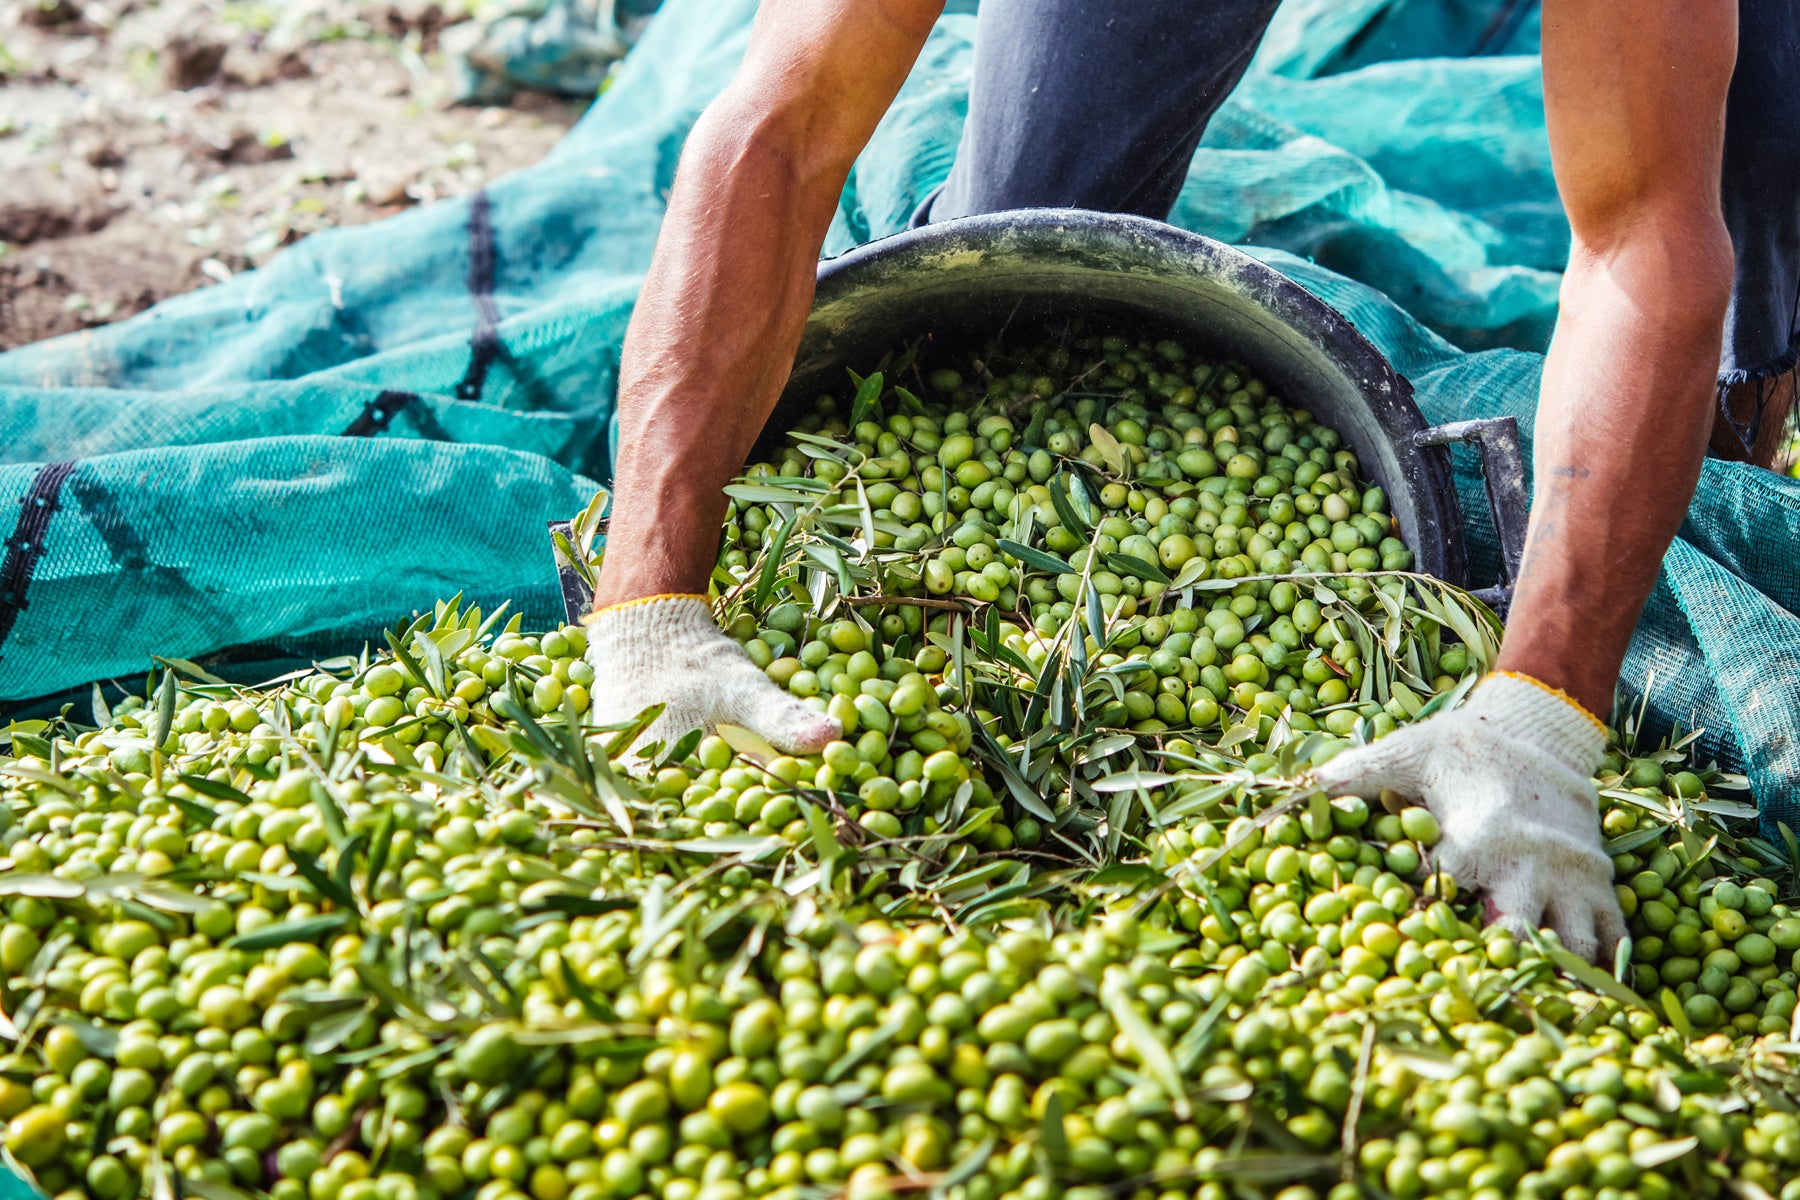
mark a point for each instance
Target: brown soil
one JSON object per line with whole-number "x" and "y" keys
{"x": 150, "y": 147}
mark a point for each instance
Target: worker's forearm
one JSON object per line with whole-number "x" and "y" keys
{"x": 1622, "y": 424}
{"x": 710, "y": 345}
{"x": 713, "y": 337}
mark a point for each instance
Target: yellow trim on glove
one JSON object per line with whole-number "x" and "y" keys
{"x": 1559, "y": 694}
{"x": 598, "y": 612}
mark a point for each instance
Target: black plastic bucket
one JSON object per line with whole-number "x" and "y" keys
{"x": 961, "y": 281}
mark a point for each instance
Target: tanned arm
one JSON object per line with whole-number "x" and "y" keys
{"x": 1635, "y": 99}
{"x": 715, "y": 330}
{"x": 1635, "y": 95}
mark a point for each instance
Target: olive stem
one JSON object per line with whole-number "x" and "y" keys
{"x": 1354, "y": 1115}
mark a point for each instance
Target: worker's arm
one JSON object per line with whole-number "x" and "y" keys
{"x": 1635, "y": 99}
{"x": 713, "y": 338}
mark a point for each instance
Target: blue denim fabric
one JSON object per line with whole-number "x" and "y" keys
{"x": 1099, "y": 104}
{"x": 1761, "y": 193}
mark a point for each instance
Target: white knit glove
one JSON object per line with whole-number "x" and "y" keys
{"x": 667, "y": 650}
{"x": 1509, "y": 776}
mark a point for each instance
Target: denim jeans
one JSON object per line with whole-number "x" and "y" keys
{"x": 1099, "y": 104}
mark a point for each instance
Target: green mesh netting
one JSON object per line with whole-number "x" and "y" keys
{"x": 389, "y": 413}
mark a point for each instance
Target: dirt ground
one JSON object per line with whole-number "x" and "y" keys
{"x": 148, "y": 147}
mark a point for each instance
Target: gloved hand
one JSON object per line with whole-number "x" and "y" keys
{"x": 1509, "y": 777}
{"x": 667, "y": 650}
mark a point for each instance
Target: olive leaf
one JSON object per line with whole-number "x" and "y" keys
{"x": 214, "y": 789}
{"x": 1037, "y": 560}
{"x": 750, "y": 745}
{"x": 1124, "y": 781}
{"x": 379, "y": 848}
{"x": 1052, "y": 1134}
{"x": 1153, "y": 1055}
{"x": 681, "y": 749}
{"x": 1109, "y": 448}
{"x": 322, "y": 883}
{"x": 652, "y": 932}
{"x": 304, "y": 929}
{"x": 766, "y": 493}
{"x": 44, "y": 887}
{"x": 1127, "y": 564}
{"x": 102, "y": 714}
{"x": 772, "y": 558}
{"x": 867, "y": 401}
{"x": 404, "y": 656}
{"x": 965, "y": 1168}
{"x": 1193, "y": 571}
{"x": 166, "y": 693}
{"x": 825, "y": 844}
{"x": 1660, "y": 1154}
{"x": 331, "y": 815}
{"x": 1062, "y": 501}
{"x": 586, "y": 1034}
{"x": 326, "y": 1035}
{"x": 1672, "y": 1008}
{"x": 437, "y": 668}
{"x": 1591, "y": 977}
{"x": 1272, "y": 1168}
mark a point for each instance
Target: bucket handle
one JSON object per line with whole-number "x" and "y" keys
{"x": 577, "y": 592}
{"x": 1503, "y": 476}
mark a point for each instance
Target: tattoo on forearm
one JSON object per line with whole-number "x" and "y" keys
{"x": 1553, "y": 500}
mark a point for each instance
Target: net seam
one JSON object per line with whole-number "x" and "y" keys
{"x": 26, "y": 546}
{"x": 484, "y": 343}
{"x": 379, "y": 413}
